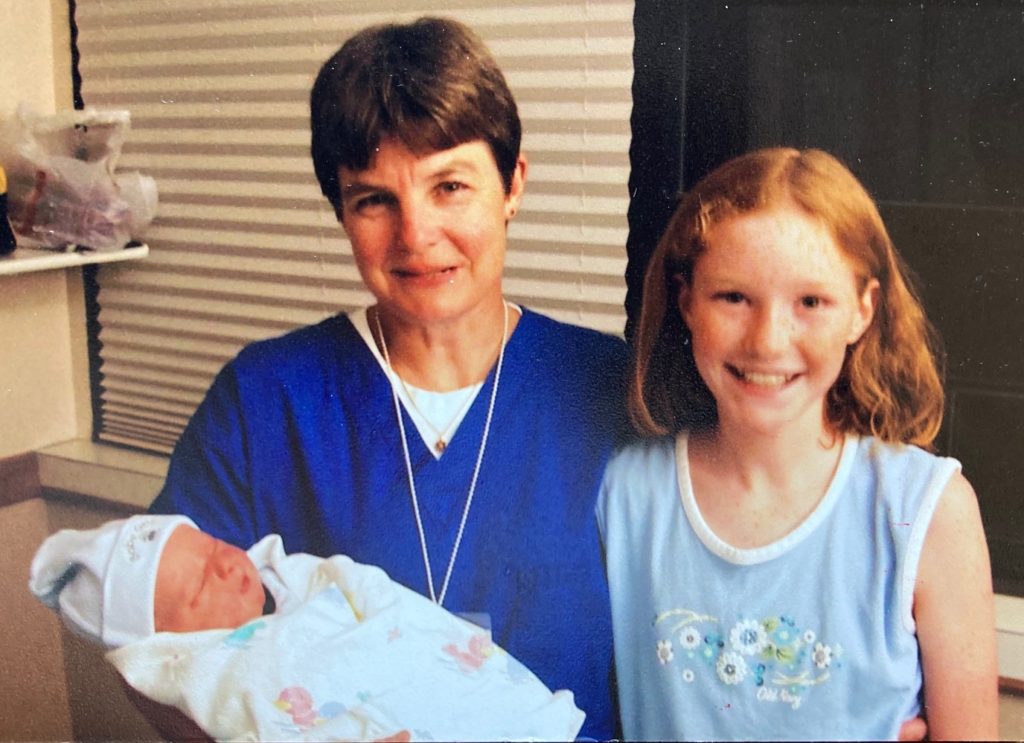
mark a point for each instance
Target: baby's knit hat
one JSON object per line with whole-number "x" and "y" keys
{"x": 102, "y": 581}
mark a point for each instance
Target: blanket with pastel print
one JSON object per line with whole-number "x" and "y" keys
{"x": 363, "y": 659}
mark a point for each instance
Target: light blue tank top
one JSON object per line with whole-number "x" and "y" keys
{"x": 810, "y": 637}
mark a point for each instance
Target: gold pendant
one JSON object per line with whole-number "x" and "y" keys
{"x": 440, "y": 446}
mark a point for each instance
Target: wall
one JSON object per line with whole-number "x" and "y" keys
{"x": 43, "y": 385}
{"x": 38, "y": 403}
{"x": 32, "y": 679}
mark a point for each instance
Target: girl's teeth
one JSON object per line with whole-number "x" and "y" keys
{"x": 765, "y": 380}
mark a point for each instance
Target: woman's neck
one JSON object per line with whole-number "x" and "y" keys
{"x": 449, "y": 356}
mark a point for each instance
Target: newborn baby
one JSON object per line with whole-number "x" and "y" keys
{"x": 204, "y": 583}
{"x": 268, "y": 646}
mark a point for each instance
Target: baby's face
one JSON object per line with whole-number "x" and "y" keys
{"x": 204, "y": 583}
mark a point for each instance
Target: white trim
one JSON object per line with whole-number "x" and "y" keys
{"x": 764, "y": 553}
{"x": 943, "y": 472}
{"x": 27, "y": 259}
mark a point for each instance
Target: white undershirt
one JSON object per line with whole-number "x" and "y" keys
{"x": 430, "y": 411}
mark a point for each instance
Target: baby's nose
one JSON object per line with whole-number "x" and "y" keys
{"x": 225, "y": 565}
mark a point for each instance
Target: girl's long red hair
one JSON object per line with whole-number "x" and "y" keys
{"x": 889, "y": 386}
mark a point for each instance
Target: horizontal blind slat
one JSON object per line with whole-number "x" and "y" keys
{"x": 175, "y": 382}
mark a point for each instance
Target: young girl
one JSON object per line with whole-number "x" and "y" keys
{"x": 792, "y": 563}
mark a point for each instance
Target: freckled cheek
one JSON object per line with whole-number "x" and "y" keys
{"x": 834, "y": 360}
{"x": 705, "y": 357}
{"x": 826, "y": 342}
{"x": 709, "y": 337}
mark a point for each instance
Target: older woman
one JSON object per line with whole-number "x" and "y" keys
{"x": 445, "y": 434}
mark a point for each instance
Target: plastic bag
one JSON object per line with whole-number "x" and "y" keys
{"x": 61, "y": 185}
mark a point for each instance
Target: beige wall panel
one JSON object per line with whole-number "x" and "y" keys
{"x": 32, "y": 687}
{"x": 37, "y": 405}
{"x": 37, "y": 395}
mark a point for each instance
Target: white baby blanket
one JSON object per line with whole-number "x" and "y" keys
{"x": 362, "y": 659}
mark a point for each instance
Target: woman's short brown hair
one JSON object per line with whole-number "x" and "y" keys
{"x": 432, "y": 84}
{"x": 889, "y": 385}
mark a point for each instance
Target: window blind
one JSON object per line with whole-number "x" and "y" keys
{"x": 245, "y": 247}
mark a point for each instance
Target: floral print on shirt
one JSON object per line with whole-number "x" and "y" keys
{"x": 773, "y": 658}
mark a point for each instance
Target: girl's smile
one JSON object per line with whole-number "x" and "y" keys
{"x": 772, "y": 307}
{"x": 761, "y": 379}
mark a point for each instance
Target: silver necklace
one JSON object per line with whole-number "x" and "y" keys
{"x": 439, "y": 600}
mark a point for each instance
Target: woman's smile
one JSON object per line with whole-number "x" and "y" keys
{"x": 426, "y": 274}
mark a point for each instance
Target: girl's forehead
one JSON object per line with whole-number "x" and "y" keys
{"x": 783, "y": 218}
{"x": 783, "y": 240}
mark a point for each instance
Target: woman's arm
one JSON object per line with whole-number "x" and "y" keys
{"x": 955, "y": 615}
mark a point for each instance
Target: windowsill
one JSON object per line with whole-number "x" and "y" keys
{"x": 1010, "y": 636}
{"x": 126, "y": 477}
{"x": 28, "y": 260}
{"x": 109, "y": 473}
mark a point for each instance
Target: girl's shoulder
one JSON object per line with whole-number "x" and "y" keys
{"x": 904, "y": 482}
{"x": 641, "y": 457}
{"x": 640, "y": 475}
{"x": 902, "y": 462}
